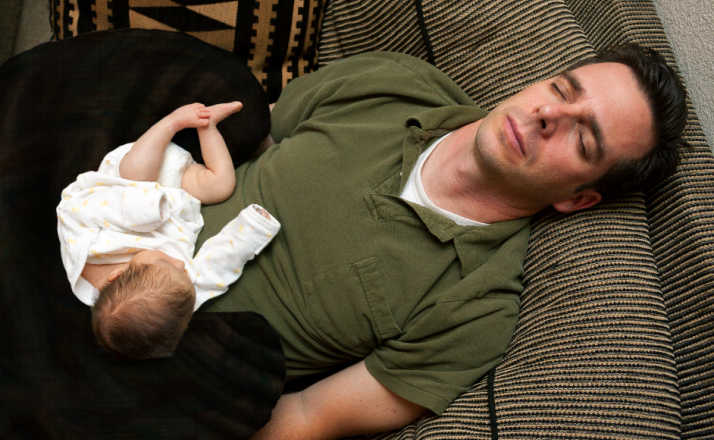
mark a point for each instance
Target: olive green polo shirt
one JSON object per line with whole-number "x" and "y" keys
{"x": 357, "y": 272}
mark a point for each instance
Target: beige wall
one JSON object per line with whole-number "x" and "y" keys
{"x": 689, "y": 24}
{"x": 34, "y": 25}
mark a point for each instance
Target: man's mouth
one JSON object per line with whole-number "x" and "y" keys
{"x": 515, "y": 136}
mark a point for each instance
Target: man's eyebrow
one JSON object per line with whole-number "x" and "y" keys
{"x": 573, "y": 81}
{"x": 578, "y": 90}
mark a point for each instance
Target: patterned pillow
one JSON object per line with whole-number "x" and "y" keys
{"x": 275, "y": 38}
{"x": 490, "y": 48}
{"x": 495, "y": 48}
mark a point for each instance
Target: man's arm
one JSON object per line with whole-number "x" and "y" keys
{"x": 350, "y": 402}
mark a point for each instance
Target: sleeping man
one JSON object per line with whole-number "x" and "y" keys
{"x": 406, "y": 210}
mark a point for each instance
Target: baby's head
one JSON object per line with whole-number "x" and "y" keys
{"x": 144, "y": 310}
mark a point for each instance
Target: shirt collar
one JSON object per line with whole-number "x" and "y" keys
{"x": 473, "y": 244}
{"x": 445, "y": 118}
{"x": 429, "y": 124}
{"x": 470, "y": 241}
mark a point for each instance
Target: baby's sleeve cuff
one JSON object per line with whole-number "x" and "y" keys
{"x": 263, "y": 223}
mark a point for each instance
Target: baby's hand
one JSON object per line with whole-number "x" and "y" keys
{"x": 221, "y": 111}
{"x": 194, "y": 115}
{"x": 262, "y": 211}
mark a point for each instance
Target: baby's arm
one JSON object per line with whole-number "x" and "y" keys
{"x": 143, "y": 161}
{"x": 221, "y": 259}
{"x": 214, "y": 181}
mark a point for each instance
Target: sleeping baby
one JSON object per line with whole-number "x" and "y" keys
{"x": 127, "y": 234}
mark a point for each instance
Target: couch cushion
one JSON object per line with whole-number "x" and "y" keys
{"x": 490, "y": 48}
{"x": 681, "y": 218}
{"x": 494, "y": 48}
{"x": 682, "y": 227}
{"x": 275, "y": 38}
{"x": 351, "y": 27}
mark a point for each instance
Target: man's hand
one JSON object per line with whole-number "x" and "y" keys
{"x": 348, "y": 403}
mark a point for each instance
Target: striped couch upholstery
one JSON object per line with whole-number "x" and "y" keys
{"x": 616, "y": 334}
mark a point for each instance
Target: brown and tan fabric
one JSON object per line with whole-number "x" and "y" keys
{"x": 681, "y": 221}
{"x": 352, "y": 27}
{"x": 681, "y": 218}
{"x": 275, "y": 38}
{"x": 615, "y": 338}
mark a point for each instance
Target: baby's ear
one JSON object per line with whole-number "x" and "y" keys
{"x": 113, "y": 275}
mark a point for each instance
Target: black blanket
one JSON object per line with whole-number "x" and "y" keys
{"x": 64, "y": 106}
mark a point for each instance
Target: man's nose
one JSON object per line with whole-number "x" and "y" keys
{"x": 557, "y": 116}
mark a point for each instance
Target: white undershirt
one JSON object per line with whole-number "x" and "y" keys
{"x": 414, "y": 190}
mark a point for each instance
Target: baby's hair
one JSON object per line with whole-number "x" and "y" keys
{"x": 143, "y": 313}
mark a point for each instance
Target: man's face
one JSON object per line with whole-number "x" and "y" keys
{"x": 556, "y": 136}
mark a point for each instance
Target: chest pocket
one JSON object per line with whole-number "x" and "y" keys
{"x": 350, "y": 309}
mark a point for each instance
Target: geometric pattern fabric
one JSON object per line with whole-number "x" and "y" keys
{"x": 275, "y": 38}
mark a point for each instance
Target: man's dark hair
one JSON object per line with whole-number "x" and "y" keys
{"x": 667, "y": 101}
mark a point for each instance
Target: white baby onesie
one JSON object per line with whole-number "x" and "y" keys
{"x": 105, "y": 219}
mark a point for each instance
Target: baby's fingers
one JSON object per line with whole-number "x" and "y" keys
{"x": 221, "y": 111}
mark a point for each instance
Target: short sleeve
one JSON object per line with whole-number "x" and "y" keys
{"x": 109, "y": 166}
{"x": 354, "y": 78}
{"x": 174, "y": 164}
{"x": 445, "y": 349}
{"x": 142, "y": 209}
{"x": 176, "y": 160}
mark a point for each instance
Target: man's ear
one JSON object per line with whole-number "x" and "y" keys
{"x": 582, "y": 200}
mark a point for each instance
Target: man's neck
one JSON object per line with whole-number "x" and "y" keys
{"x": 453, "y": 181}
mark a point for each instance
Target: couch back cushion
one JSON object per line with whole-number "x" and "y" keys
{"x": 681, "y": 219}
{"x": 275, "y": 38}
{"x": 490, "y": 48}
{"x": 351, "y": 27}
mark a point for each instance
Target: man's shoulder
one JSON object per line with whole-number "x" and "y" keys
{"x": 407, "y": 71}
{"x": 397, "y": 61}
